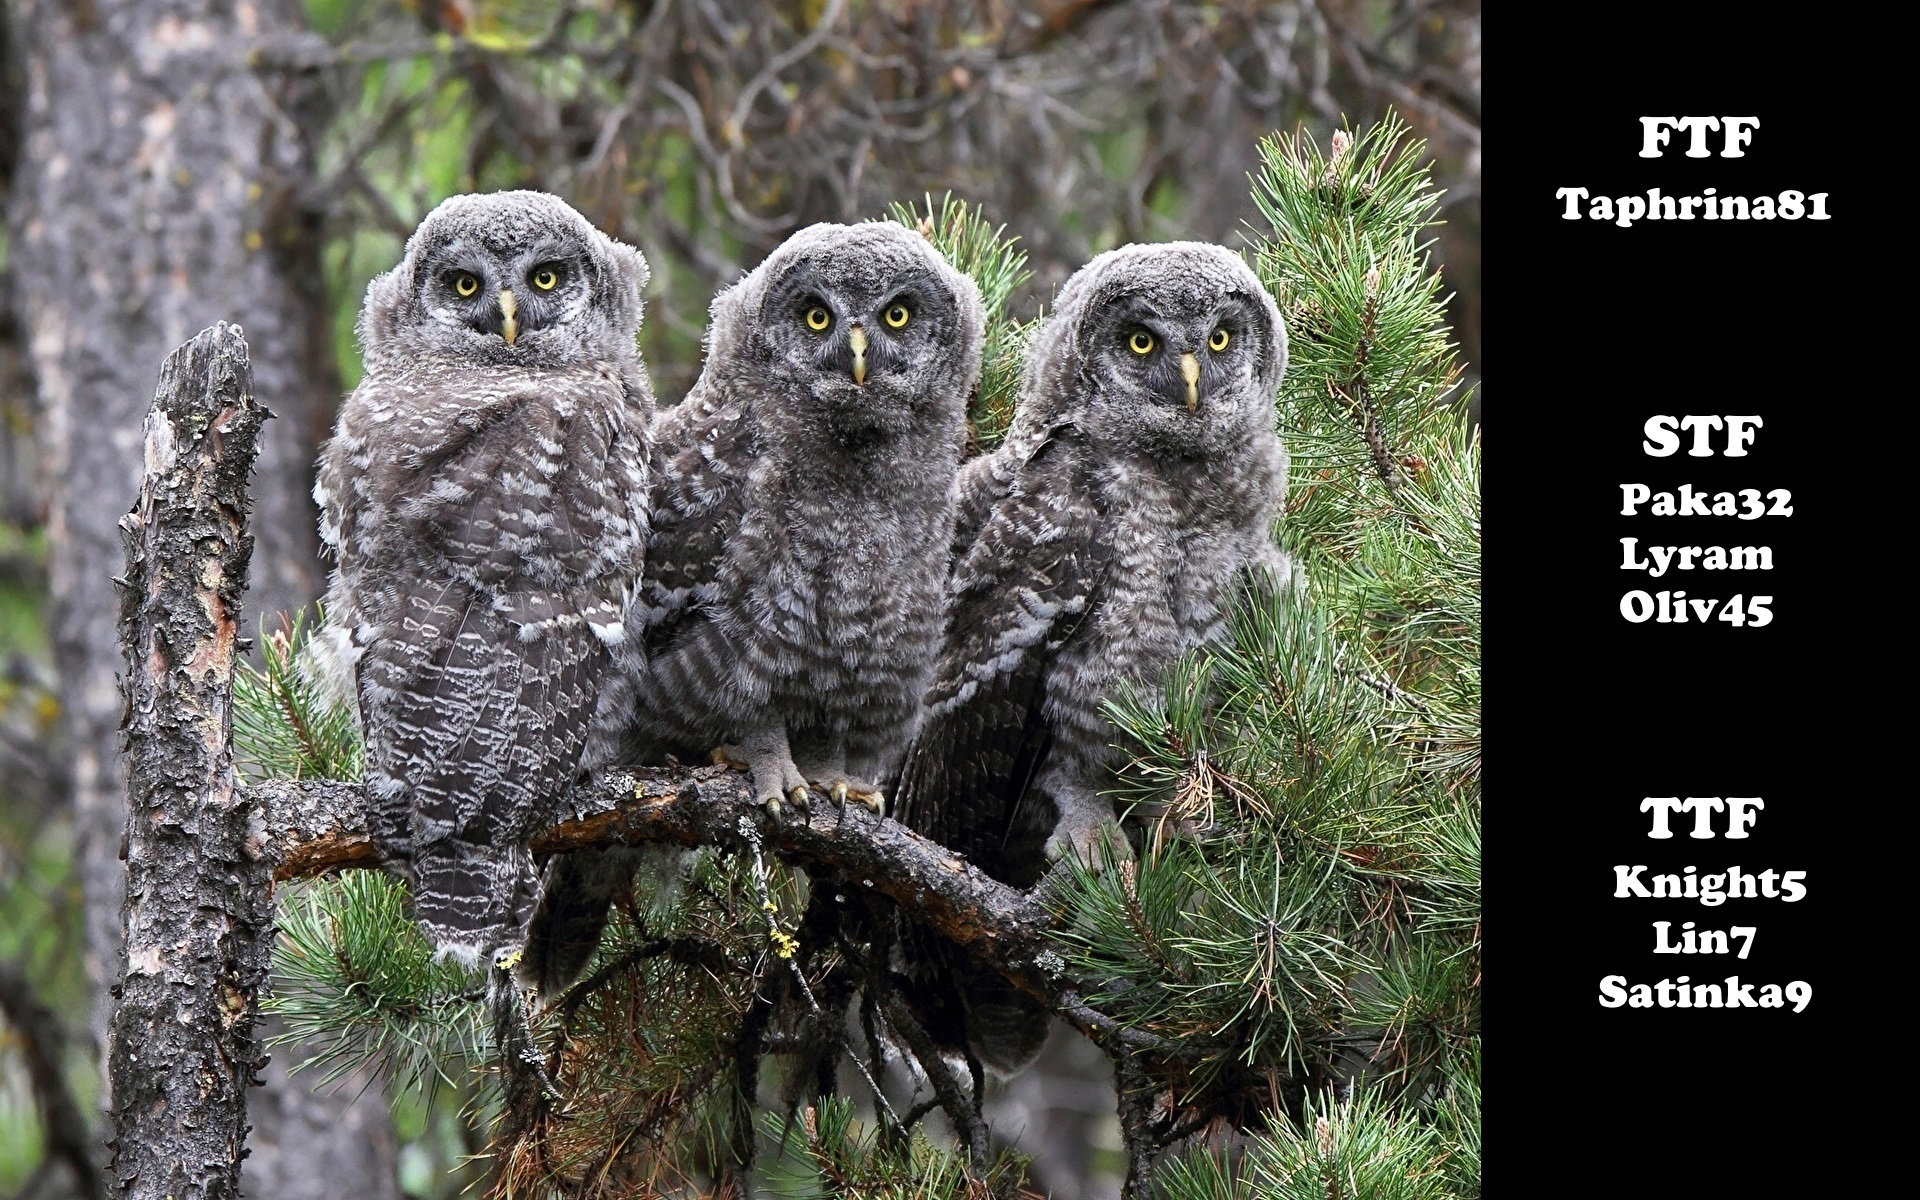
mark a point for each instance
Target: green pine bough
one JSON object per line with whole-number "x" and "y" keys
{"x": 1306, "y": 909}
{"x": 999, "y": 267}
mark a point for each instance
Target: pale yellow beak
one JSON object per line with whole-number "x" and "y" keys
{"x": 857, "y": 338}
{"x": 508, "y": 306}
{"x": 1190, "y": 371}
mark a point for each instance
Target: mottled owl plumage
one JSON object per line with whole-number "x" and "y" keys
{"x": 802, "y": 509}
{"x": 484, "y": 497}
{"x": 1105, "y": 537}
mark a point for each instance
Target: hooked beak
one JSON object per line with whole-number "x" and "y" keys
{"x": 1190, "y": 371}
{"x": 508, "y": 306}
{"x": 857, "y": 339}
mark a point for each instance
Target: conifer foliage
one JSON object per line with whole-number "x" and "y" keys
{"x": 1293, "y": 948}
{"x": 1309, "y": 925}
{"x": 995, "y": 263}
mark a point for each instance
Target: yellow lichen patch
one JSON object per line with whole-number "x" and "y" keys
{"x": 784, "y": 944}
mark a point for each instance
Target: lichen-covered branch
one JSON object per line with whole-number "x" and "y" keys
{"x": 197, "y": 916}
{"x": 313, "y": 828}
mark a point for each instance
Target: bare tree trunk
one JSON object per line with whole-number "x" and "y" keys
{"x": 40, "y": 1039}
{"x": 181, "y": 1049}
{"x": 161, "y": 184}
{"x": 17, "y": 474}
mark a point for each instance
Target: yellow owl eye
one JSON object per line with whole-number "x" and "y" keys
{"x": 1219, "y": 340}
{"x": 545, "y": 279}
{"x": 898, "y": 316}
{"x": 1141, "y": 342}
{"x": 466, "y": 286}
{"x": 818, "y": 318}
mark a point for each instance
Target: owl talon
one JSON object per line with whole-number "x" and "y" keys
{"x": 849, "y": 787}
{"x": 776, "y": 782}
{"x": 1084, "y": 842}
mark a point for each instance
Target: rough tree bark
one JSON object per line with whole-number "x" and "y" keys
{"x": 199, "y": 908}
{"x": 161, "y": 184}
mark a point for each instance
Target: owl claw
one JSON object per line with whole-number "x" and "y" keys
{"x": 1089, "y": 843}
{"x": 776, "y": 781}
{"x": 846, "y": 787}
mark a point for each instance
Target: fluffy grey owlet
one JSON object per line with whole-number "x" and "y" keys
{"x": 802, "y": 507}
{"x": 484, "y": 496}
{"x": 1105, "y": 537}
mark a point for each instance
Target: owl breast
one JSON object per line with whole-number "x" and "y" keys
{"x": 1179, "y": 556}
{"x": 859, "y": 622}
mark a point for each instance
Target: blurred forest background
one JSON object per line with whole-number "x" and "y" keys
{"x": 169, "y": 163}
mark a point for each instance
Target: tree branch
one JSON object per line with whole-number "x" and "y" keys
{"x": 315, "y": 828}
{"x": 198, "y": 916}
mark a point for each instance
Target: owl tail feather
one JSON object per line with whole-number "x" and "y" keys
{"x": 471, "y": 900}
{"x": 1005, "y": 1026}
{"x": 964, "y": 1005}
{"x": 575, "y": 901}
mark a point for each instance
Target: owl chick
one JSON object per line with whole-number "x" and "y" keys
{"x": 1104, "y": 538}
{"x": 802, "y": 505}
{"x": 484, "y": 497}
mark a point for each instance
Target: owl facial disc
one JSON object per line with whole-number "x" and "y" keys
{"x": 506, "y": 278}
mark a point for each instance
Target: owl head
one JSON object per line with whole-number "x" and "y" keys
{"x": 506, "y": 278}
{"x": 1175, "y": 348}
{"x": 858, "y": 330}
